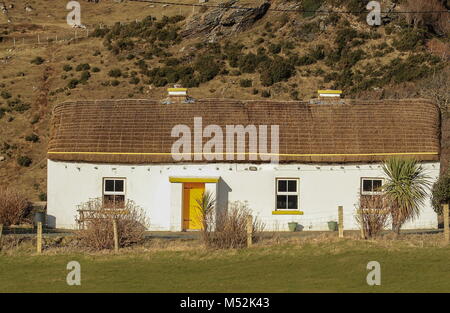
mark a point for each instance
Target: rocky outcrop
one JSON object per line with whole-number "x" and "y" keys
{"x": 223, "y": 21}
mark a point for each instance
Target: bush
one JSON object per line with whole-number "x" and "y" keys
{"x": 275, "y": 48}
{"x": 85, "y": 75}
{"x": 228, "y": 228}
{"x": 43, "y": 196}
{"x": 134, "y": 80}
{"x": 96, "y": 228}
{"x": 83, "y": 67}
{"x": 265, "y": 94}
{"x": 32, "y": 138}
{"x": 115, "y": 83}
{"x": 373, "y": 215}
{"x": 73, "y": 83}
{"x": 275, "y": 71}
{"x": 14, "y": 207}
{"x": 409, "y": 39}
{"x": 67, "y": 67}
{"x": 24, "y": 161}
{"x": 440, "y": 192}
{"x": 115, "y": 73}
{"x": 95, "y": 69}
{"x": 37, "y": 61}
{"x": 246, "y": 83}
{"x": 5, "y": 95}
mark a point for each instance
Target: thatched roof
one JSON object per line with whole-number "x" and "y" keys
{"x": 139, "y": 131}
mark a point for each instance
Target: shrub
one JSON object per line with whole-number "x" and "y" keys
{"x": 17, "y": 105}
{"x": 207, "y": 67}
{"x": 265, "y": 94}
{"x": 95, "y": 69}
{"x": 228, "y": 228}
{"x": 409, "y": 39}
{"x": 24, "y": 161}
{"x": 43, "y": 196}
{"x": 37, "y": 61}
{"x": 441, "y": 192}
{"x": 373, "y": 215}
{"x": 97, "y": 224}
{"x": 85, "y": 75}
{"x": 115, "y": 83}
{"x": 275, "y": 48}
{"x": 67, "y": 67}
{"x": 245, "y": 83}
{"x": 73, "y": 83}
{"x": 5, "y": 94}
{"x": 14, "y": 207}
{"x": 275, "y": 71}
{"x": 115, "y": 73}
{"x": 134, "y": 80}
{"x": 83, "y": 67}
{"x": 32, "y": 138}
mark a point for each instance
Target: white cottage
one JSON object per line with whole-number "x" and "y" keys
{"x": 309, "y": 158}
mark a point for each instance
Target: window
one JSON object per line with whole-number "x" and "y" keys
{"x": 287, "y": 193}
{"x": 114, "y": 192}
{"x": 371, "y": 186}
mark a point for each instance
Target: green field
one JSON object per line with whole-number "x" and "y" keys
{"x": 335, "y": 266}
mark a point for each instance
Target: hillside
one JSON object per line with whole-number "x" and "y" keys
{"x": 136, "y": 50}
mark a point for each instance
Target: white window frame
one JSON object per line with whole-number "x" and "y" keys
{"x": 370, "y": 193}
{"x": 113, "y": 193}
{"x": 287, "y": 193}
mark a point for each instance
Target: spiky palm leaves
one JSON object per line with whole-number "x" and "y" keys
{"x": 405, "y": 189}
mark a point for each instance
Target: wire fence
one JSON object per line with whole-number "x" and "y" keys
{"x": 43, "y": 39}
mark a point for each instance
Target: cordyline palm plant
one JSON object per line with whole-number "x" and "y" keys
{"x": 405, "y": 189}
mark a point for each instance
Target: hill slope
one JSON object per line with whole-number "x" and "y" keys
{"x": 130, "y": 50}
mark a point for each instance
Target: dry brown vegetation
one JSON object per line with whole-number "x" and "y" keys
{"x": 373, "y": 215}
{"x": 227, "y": 229}
{"x": 14, "y": 207}
{"x": 97, "y": 224}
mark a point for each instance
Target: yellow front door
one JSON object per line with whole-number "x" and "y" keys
{"x": 191, "y": 213}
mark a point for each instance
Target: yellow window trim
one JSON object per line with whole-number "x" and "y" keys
{"x": 193, "y": 180}
{"x": 287, "y": 212}
{"x": 177, "y": 89}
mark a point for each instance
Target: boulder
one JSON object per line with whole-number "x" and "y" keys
{"x": 223, "y": 21}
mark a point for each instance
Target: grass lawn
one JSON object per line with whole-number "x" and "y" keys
{"x": 332, "y": 266}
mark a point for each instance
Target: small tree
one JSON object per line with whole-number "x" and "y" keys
{"x": 440, "y": 192}
{"x": 405, "y": 190}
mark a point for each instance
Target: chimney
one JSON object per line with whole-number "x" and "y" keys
{"x": 328, "y": 97}
{"x": 329, "y": 94}
{"x": 178, "y": 94}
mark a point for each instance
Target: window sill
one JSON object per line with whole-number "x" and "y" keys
{"x": 287, "y": 212}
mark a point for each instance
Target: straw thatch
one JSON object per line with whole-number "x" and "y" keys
{"x": 139, "y": 131}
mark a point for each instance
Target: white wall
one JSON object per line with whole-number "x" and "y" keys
{"x": 322, "y": 189}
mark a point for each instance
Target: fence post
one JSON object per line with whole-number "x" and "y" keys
{"x": 39, "y": 237}
{"x": 116, "y": 237}
{"x": 341, "y": 221}
{"x": 249, "y": 230}
{"x": 361, "y": 217}
{"x": 446, "y": 222}
{"x": 1, "y": 232}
